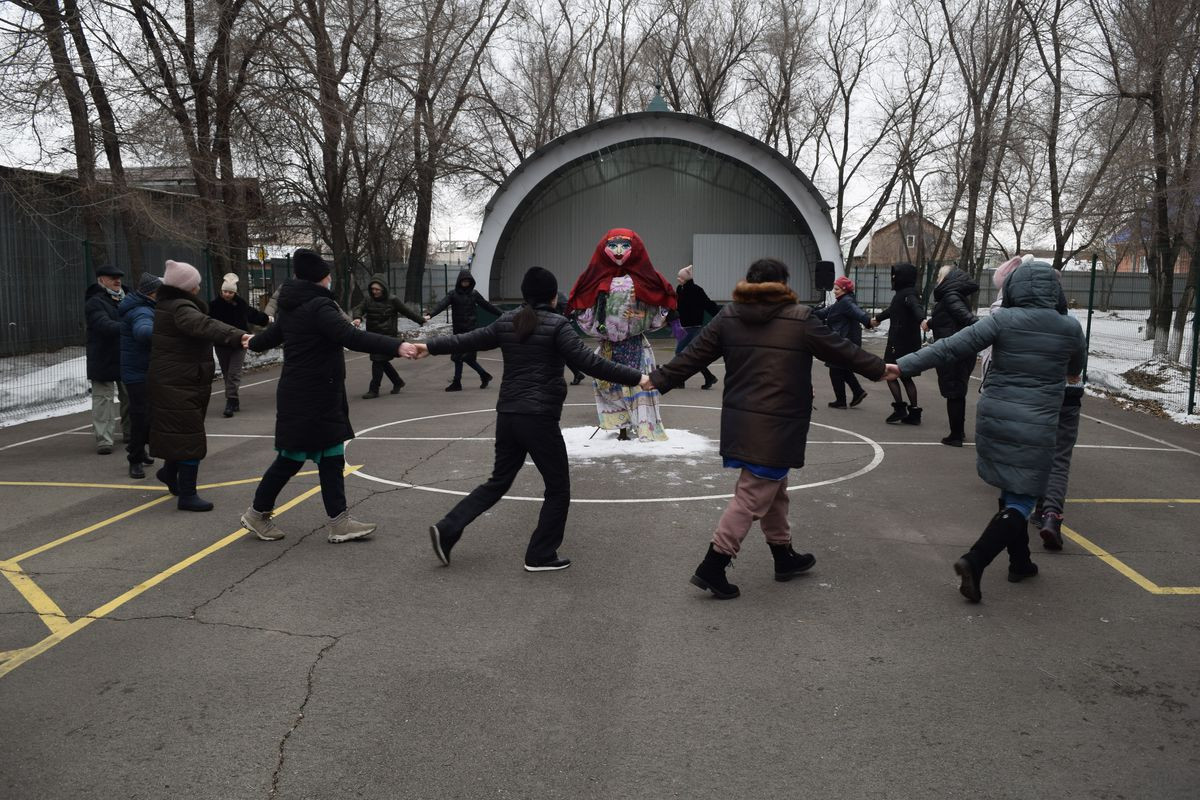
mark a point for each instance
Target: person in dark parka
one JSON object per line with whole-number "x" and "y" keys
{"x": 951, "y": 313}
{"x": 535, "y": 341}
{"x": 312, "y": 415}
{"x": 232, "y": 309}
{"x": 109, "y": 399}
{"x": 768, "y": 341}
{"x": 847, "y": 320}
{"x": 693, "y": 303}
{"x": 137, "y": 334}
{"x": 180, "y": 380}
{"x": 904, "y": 337}
{"x": 1035, "y": 351}
{"x": 381, "y": 311}
{"x": 462, "y": 301}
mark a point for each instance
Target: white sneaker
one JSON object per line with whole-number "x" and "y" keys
{"x": 345, "y": 527}
{"x": 261, "y": 525}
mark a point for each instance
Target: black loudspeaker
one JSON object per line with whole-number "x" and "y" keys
{"x": 823, "y": 276}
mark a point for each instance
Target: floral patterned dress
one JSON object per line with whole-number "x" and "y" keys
{"x": 626, "y": 322}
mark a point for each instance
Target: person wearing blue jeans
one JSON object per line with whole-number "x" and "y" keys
{"x": 1034, "y": 350}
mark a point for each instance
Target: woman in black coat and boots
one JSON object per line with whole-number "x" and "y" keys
{"x": 312, "y": 416}
{"x": 381, "y": 311}
{"x": 232, "y": 309}
{"x": 904, "y": 337}
{"x": 951, "y": 313}
{"x": 847, "y": 320}
{"x": 536, "y": 341}
{"x": 461, "y": 302}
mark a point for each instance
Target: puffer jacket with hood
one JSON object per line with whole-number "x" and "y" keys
{"x": 905, "y": 312}
{"x": 137, "y": 331}
{"x": 1034, "y": 348}
{"x": 845, "y": 318}
{"x": 533, "y": 369}
{"x": 951, "y": 307}
{"x": 768, "y": 341}
{"x": 462, "y": 301}
{"x": 311, "y": 411}
{"x": 382, "y": 315}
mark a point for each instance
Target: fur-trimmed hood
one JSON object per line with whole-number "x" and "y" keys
{"x": 758, "y": 303}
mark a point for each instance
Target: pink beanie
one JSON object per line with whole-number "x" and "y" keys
{"x": 181, "y": 276}
{"x": 1004, "y": 270}
{"x": 844, "y": 283}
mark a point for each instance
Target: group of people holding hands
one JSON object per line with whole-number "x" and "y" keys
{"x": 768, "y": 341}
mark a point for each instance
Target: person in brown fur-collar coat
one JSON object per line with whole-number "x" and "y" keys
{"x": 768, "y": 341}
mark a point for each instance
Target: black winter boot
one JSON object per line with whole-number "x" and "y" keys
{"x": 237, "y": 404}
{"x": 371, "y": 393}
{"x": 710, "y": 575}
{"x": 169, "y": 475}
{"x": 455, "y": 386}
{"x": 956, "y": 412}
{"x": 901, "y": 411}
{"x": 914, "y": 416}
{"x": 188, "y": 499}
{"x": 991, "y": 543}
{"x": 1020, "y": 565}
{"x": 789, "y": 563}
{"x": 228, "y": 412}
{"x": 398, "y": 385}
{"x": 484, "y": 380}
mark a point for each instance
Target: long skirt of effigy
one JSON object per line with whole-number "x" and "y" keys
{"x": 629, "y": 407}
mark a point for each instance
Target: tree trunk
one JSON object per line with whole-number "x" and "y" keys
{"x": 1179, "y": 331}
{"x": 420, "y": 236}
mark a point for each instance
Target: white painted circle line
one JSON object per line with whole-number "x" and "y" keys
{"x": 876, "y": 460}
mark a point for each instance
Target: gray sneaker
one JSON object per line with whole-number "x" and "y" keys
{"x": 261, "y": 525}
{"x": 345, "y": 527}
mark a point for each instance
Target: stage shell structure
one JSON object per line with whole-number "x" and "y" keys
{"x": 697, "y": 192}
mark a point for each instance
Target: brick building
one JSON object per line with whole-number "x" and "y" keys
{"x": 911, "y": 239}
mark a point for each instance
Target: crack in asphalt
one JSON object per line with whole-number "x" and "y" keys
{"x": 282, "y": 552}
{"x": 312, "y": 669}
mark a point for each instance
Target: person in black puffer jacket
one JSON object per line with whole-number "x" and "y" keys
{"x": 847, "y": 320}
{"x": 462, "y": 301}
{"x": 904, "y": 337}
{"x": 536, "y": 341}
{"x": 312, "y": 416}
{"x": 109, "y": 399}
{"x": 381, "y": 311}
{"x": 229, "y": 307}
{"x": 951, "y": 313}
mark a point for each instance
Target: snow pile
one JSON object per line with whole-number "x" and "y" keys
{"x": 683, "y": 445}
{"x": 43, "y": 385}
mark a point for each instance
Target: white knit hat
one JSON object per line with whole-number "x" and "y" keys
{"x": 181, "y": 276}
{"x": 229, "y": 282}
{"x": 685, "y": 274}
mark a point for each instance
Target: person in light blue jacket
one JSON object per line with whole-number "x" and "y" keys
{"x": 136, "y": 313}
{"x": 1034, "y": 350}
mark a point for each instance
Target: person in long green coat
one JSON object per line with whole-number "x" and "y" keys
{"x": 1035, "y": 351}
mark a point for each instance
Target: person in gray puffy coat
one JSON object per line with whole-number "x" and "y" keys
{"x": 1034, "y": 349}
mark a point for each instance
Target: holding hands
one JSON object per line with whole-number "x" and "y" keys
{"x": 246, "y": 341}
{"x": 892, "y": 373}
{"x": 647, "y": 385}
{"x": 413, "y": 350}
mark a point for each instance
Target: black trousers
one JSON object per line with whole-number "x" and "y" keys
{"x": 333, "y": 483}
{"x": 840, "y": 378}
{"x": 518, "y": 435}
{"x": 381, "y": 368}
{"x": 469, "y": 359}
{"x": 139, "y": 421}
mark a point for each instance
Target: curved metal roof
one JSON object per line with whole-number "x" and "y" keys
{"x": 548, "y": 160}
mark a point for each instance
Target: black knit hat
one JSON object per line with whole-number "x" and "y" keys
{"x": 539, "y": 285}
{"x": 309, "y": 266}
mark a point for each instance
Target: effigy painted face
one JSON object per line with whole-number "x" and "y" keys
{"x": 618, "y": 249}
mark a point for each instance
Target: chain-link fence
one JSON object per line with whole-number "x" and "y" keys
{"x": 1124, "y": 356}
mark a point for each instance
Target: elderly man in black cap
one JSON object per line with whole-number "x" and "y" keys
{"x": 104, "y": 358}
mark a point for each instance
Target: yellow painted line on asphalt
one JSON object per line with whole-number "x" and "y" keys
{"x": 1123, "y": 568}
{"x": 1143, "y": 500}
{"x": 85, "y": 531}
{"x": 33, "y": 651}
{"x": 47, "y": 610}
{"x": 65, "y": 485}
{"x": 5, "y": 655}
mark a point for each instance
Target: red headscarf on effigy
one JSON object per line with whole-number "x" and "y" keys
{"x": 648, "y": 286}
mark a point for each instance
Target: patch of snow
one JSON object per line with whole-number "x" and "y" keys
{"x": 583, "y": 446}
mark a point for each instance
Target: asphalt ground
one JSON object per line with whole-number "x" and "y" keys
{"x": 151, "y": 653}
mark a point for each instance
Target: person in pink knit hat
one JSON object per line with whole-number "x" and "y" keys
{"x": 180, "y": 380}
